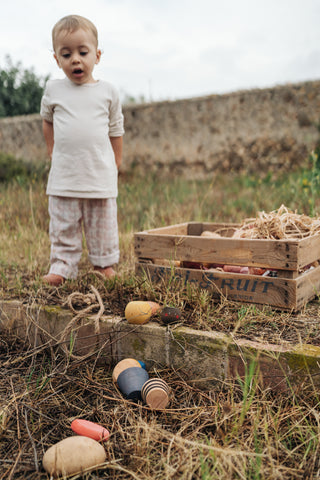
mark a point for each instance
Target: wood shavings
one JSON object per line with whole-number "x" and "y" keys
{"x": 278, "y": 224}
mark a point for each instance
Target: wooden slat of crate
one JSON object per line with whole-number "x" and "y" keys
{"x": 262, "y": 253}
{"x": 308, "y": 250}
{"x": 286, "y": 255}
{"x": 278, "y": 292}
{"x": 179, "y": 229}
{"x": 225, "y": 229}
{"x": 308, "y": 286}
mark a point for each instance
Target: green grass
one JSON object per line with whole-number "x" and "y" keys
{"x": 149, "y": 202}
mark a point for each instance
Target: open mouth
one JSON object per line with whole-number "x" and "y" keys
{"x": 77, "y": 71}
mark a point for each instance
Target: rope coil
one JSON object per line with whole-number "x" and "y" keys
{"x": 77, "y": 297}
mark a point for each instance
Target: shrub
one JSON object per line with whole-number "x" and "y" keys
{"x": 19, "y": 170}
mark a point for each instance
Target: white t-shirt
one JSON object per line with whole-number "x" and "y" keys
{"x": 83, "y": 117}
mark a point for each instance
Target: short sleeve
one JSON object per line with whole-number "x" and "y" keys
{"x": 116, "y": 128}
{"x": 46, "y": 110}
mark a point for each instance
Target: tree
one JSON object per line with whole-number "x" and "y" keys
{"x": 20, "y": 90}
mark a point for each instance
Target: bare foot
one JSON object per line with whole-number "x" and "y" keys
{"x": 107, "y": 272}
{"x": 53, "y": 279}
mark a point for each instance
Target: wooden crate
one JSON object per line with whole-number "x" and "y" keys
{"x": 161, "y": 251}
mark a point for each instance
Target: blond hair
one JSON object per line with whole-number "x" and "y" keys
{"x": 70, "y": 24}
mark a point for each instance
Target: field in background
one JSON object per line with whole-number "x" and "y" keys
{"x": 147, "y": 202}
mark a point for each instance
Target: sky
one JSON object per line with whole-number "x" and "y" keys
{"x": 172, "y": 49}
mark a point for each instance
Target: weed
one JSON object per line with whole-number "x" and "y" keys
{"x": 248, "y": 386}
{"x": 311, "y": 181}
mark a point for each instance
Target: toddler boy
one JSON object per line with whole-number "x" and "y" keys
{"x": 83, "y": 129}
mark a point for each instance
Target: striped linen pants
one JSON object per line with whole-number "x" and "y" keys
{"x": 69, "y": 218}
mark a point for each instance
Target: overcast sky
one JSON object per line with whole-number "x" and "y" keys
{"x": 169, "y": 49}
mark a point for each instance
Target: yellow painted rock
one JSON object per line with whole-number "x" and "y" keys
{"x": 73, "y": 455}
{"x": 139, "y": 312}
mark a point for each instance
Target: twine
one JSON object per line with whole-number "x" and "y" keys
{"x": 88, "y": 298}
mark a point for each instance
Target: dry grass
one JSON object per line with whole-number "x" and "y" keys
{"x": 25, "y": 249}
{"x": 234, "y": 431}
{"x": 231, "y": 431}
{"x": 279, "y": 224}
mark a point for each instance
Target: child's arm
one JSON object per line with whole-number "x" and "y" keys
{"x": 117, "y": 143}
{"x": 47, "y": 128}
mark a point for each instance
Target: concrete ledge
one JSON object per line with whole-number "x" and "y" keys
{"x": 207, "y": 358}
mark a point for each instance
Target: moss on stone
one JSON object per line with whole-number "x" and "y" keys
{"x": 139, "y": 346}
{"x": 303, "y": 357}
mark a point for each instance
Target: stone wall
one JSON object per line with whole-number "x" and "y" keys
{"x": 22, "y": 137}
{"x": 253, "y": 130}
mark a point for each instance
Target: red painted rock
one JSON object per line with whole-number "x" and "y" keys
{"x": 170, "y": 315}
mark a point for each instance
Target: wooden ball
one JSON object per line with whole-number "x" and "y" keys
{"x": 123, "y": 365}
{"x": 131, "y": 381}
{"x": 157, "y": 398}
{"x": 155, "y": 393}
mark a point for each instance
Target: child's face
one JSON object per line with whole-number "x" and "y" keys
{"x": 77, "y": 54}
